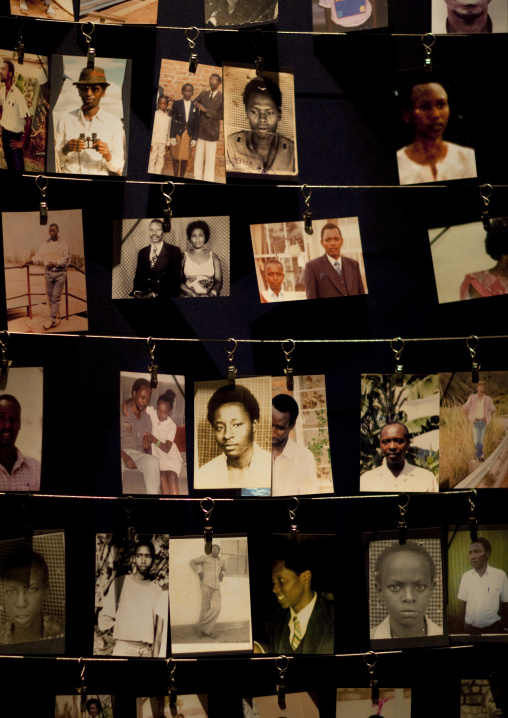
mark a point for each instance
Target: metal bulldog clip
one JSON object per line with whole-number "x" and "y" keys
{"x": 43, "y": 205}
{"x": 473, "y": 523}
{"x": 231, "y": 356}
{"x": 81, "y": 688}
{"x": 167, "y": 213}
{"x": 486, "y": 191}
{"x": 20, "y": 49}
{"x": 472, "y": 344}
{"x": 153, "y": 367}
{"x": 402, "y": 523}
{"x": 280, "y": 687}
{"x": 90, "y": 55}
{"x": 399, "y": 367}
{"x": 172, "y": 689}
{"x": 288, "y": 371}
{"x": 293, "y": 528}
{"x": 208, "y": 530}
{"x": 127, "y": 503}
{"x": 307, "y": 215}
{"x": 428, "y": 40}
{"x": 5, "y": 363}
{"x": 193, "y": 59}
{"x": 370, "y": 660}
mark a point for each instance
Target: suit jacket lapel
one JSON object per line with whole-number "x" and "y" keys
{"x": 330, "y": 272}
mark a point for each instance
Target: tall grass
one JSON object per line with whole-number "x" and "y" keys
{"x": 456, "y": 448}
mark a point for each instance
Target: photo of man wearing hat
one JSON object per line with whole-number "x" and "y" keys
{"x": 90, "y": 140}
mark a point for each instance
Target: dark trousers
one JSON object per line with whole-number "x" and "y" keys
{"x": 13, "y": 158}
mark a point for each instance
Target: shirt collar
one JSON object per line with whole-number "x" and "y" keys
{"x": 289, "y": 450}
{"x": 278, "y": 296}
{"x": 304, "y": 615}
{"x": 332, "y": 261}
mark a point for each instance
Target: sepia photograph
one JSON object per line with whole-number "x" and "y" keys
{"x": 89, "y": 116}
{"x": 131, "y": 596}
{"x": 294, "y": 595}
{"x": 478, "y": 584}
{"x": 188, "y": 134}
{"x": 399, "y": 433}
{"x": 238, "y": 13}
{"x": 470, "y": 263}
{"x": 349, "y": 15}
{"x": 21, "y": 430}
{"x": 192, "y": 260}
{"x": 432, "y": 115}
{"x": 187, "y": 706}
{"x": 32, "y": 594}
{"x": 24, "y": 101}
{"x": 84, "y": 706}
{"x": 291, "y": 264}
{"x": 152, "y": 435}
{"x": 473, "y": 431}
{"x": 405, "y": 590}
{"x": 259, "y": 122}
{"x": 44, "y": 266}
{"x": 232, "y": 436}
{"x": 209, "y": 593}
{"x": 357, "y": 703}
{"x": 45, "y": 9}
{"x": 298, "y": 705}
{"x": 119, "y": 12}
{"x": 476, "y": 698}
{"x": 467, "y": 18}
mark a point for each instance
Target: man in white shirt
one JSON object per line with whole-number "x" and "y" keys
{"x": 479, "y": 410}
{"x": 90, "y": 140}
{"x": 160, "y": 137}
{"x": 210, "y": 568}
{"x": 294, "y": 467}
{"x": 483, "y": 592}
{"x": 15, "y": 119}
{"x": 274, "y": 273}
{"x": 396, "y": 474}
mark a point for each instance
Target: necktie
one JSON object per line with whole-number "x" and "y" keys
{"x": 153, "y": 258}
{"x": 338, "y": 268}
{"x": 297, "y": 634}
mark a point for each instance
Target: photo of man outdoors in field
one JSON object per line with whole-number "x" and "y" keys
{"x": 474, "y": 424}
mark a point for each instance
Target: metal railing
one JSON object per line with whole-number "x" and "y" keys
{"x": 31, "y": 294}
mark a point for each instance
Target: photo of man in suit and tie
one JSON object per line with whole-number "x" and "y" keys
{"x": 158, "y": 268}
{"x": 184, "y": 130}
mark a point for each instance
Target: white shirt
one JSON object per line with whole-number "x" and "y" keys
{"x": 109, "y": 129}
{"x": 294, "y": 471}
{"x": 165, "y": 431}
{"x": 187, "y": 105}
{"x": 282, "y": 296}
{"x": 482, "y": 595}
{"x": 411, "y": 478}
{"x": 14, "y": 109}
{"x": 155, "y": 246}
{"x": 351, "y": 21}
{"x": 332, "y": 262}
{"x": 384, "y": 631}
{"x": 214, "y": 474}
{"x": 53, "y": 250}
{"x": 459, "y": 163}
{"x": 161, "y": 125}
{"x": 303, "y": 618}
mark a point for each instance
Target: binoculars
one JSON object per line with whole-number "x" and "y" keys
{"x": 89, "y": 141}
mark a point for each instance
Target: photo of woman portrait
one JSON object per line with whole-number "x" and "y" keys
{"x": 201, "y": 268}
{"x": 494, "y": 281}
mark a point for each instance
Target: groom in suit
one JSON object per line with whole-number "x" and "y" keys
{"x": 184, "y": 130}
{"x": 159, "y": 267}
{"x": 332, "y": 275}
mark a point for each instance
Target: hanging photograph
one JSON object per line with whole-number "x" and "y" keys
{"x": 238, "y": 13}
{"x": 476, "y": 699}
{"x": 294, "y": 595}
{"x": 399, "y": 434}
{"x": 473, "y": 437}
{"x": 152, "y": 435}
{"x": 291, "y": 264}
{"x": 470, "y": 263}
{"x": 118, "y": 12}
{"x": 466, "y": 18}
{"x": 24, "y": 98}
{"x": 300, "y": 441}
{"x": 436, "y": 142}
{"x": 32, "y": 594}
{"x": 405, "y": 590}
{"x": 259, "y": 122}
{"x": 298, "y": 705}
{"x": 84, "y": 706}
{"x": 131, "y": 596}
{"x": 357, "y": 703}
{"x": 21, "y": 430}
{"x": 188, "y": 134}
{"x": 192, "y": 705}
{"x": 232, "y": 436}
{"x": 44, "y": 265}
{"x": 210, "y": 596}
{"x": 349, "y": 15}
{"x": 478, "y": 584}
{"x": 192, "y": 260}
{"x": 46, "y": 9}
{"x": 89, "y": 129}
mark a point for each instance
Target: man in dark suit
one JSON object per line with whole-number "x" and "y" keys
{"x": 332, "y": 275}
{"x": 159, "y": 267}
{"x": 209, "y": 104}
{"x": 184, "y": 130}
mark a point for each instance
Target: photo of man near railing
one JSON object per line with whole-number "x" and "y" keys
{"x": 45, "y": 272}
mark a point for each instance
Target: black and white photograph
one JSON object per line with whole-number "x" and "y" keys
{"x": 476, "y": 699}
{"x": 209, "y": 593}
{"x": 32, "y": 594}
{"x": 21, "y": 430}
{"x": 298, "y": 705}
{"x": 238, "y": 13}
{"x": 188, "y": 133}
{"x": 152, "y": 435}
{"x": 469, "y": 262}
{"x": 45, "y": 273}
{"x": 473, "y": 434}
{"x": 192, "y": 260}
{"x": 131, "y": 596}
{"x": 349, "y": 15}
{"x": 469, "y": 17}
{"x": 294, "y": 595}
{"x": 85, "y": 706}
{"x": 191, "y": 705}
{"x": 357, "y": 703}
{"x": 405, "y": 590}
{"x": 259, "y": 122}
{"x": 119, "y": 12}
{"x": 478, "y": 584}
{"x": 291, "y": 264}
{"x": 300, "y": 440}
{"x": 399, "y": 433}
{"x": 436, "y": 145}
{"x": 232, "y": 436}
{"x": 45, "y": 9}
{"x": 24, "y": 97}
{"x": 89, "y": 116}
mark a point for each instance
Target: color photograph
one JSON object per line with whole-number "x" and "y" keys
{"x": 348, "y": 15}
{"x": 298, "y": 705}
{"x": 84, "y": 706}
{"x": 471, "y": 17}
{"x": 187, "y": 706}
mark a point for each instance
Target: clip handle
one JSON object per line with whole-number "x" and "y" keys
{"x": 90, "y": 58}
{"x": 21, "y": 51}
{"x": 399, "y": 375}
{"x": 166, "y": 224}
{"x": 402, "y": 532}
{"x": 281, "y": 696}
{"x": 290, "y": 380}
{"x": 231, "y": 374}
{"x": 307, "y": 222}
{"x": 259, "y": 63}
{"x": 374, "y": 691}
{"x": 43, "y": 211}
{"x": 486, "y": 220}
{"x": 193, "y": 62}
{"x": 153, "y": 375}
{"x": 475, "y": 372}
